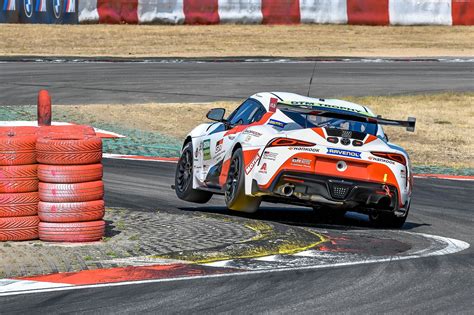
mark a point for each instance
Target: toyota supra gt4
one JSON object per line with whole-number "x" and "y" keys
{"x": 328, "y": 154}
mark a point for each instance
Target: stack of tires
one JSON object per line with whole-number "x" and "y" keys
{"x": 18, "y": 185}
{"x": 71, "y": 190}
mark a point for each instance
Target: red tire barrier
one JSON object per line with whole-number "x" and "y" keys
{"x": 18, "y": 178}
{"x": 17, "y": 150}
{"x": 19, "y": 228}
{"x": 66, "y": 131}
{"x": 71, "y": 212}
{"x": 20, "y": 204}
{"x": 69, "y": 173}
{"x": 78, "y": 192}
{"x": 72, "y": 232}
{"x": 69, "y": 151}
{"x": 18, "y": 131}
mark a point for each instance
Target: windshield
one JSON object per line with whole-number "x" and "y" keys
{"x": 332, "y": 121}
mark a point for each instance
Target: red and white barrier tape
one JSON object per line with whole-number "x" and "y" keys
{"x": 369, "y": 12}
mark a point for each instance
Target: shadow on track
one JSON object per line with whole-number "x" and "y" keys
{"x": 300, "y": 216}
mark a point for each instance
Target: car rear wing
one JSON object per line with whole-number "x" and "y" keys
{"x": 346, "y": 113}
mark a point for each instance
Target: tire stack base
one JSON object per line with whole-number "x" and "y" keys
{"x": 18, "y": 184}
{"x": 71, "y": 207}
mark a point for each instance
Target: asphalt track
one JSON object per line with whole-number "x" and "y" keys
{"x": 128, "y": 83}
{"x": 441, "y": 284}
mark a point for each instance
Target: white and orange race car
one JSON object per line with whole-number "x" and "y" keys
{"x": 328, "y": 154}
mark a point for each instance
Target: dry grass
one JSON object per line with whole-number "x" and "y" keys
{"x": 235, "y": 40}
{"x": 442, "y": 137}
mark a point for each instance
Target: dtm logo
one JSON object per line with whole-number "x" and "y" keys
{"x": 57, "y": 8}
{"x": 28, "y": 7}
{"x": 352, "y": 154}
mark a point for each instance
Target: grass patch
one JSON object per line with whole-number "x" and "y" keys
{"x": 236, "y": 40}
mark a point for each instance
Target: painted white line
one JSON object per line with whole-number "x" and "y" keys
{"x": 447, "y": 177}
{"x": 452, "y": 246}
{"x": 11, "y": 286}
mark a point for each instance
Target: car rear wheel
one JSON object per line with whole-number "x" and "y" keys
{"x": 235, "y": 197}
{"x": 388, "y": 219}
{"x": 184, "y": 179}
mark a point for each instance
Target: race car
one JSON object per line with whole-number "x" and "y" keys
{"x": 328, "y": 154}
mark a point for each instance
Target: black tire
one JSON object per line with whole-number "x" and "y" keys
{"x": 388, "y": 220}
{"x": 235, "y": 197}
{"x": 183, "y": 180}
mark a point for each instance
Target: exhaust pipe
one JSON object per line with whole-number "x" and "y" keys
{"x": 286, "y": 190}
{"x": 384, "y": 203}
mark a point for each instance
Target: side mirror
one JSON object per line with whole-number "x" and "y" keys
{"x": 386, "y": 138}
{"x": 216, "y": 114}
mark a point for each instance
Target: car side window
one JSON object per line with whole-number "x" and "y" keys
{"x": 247, "y": 113}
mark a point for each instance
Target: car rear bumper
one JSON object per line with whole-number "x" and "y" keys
{"x": 312, "y": 189}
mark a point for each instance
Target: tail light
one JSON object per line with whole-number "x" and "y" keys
{"x": 391, "y": 156}
{"x": 288, "y": 142}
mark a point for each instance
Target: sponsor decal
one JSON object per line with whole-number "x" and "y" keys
{"x": 252, "y": 164}
{"x": 252, "y": 133}
{"x": 311, "y": 104}
{"x": 273, "y": 105}
{"x": 301, "y": 162}
{"x": 219, "y": 146}
{"x": 57, "y": 8}
{"x": 403, "y": 174}
{"x": 347, "y": 153}
{"x": 41, "y": 6}
{"x": 263, "y": 169}
{"x": 313, "y": 150}
{"x": 28, "y": 7}
{"x": 206, "y": 149}
{"x": 9, "y": 5}
{"x": 276, "y": 123}
{"x": 377, "y": 159}
{"x": 271, "y": 156}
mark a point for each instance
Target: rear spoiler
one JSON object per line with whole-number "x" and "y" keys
{"x": 344, "y": 113}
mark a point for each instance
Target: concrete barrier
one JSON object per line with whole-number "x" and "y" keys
{"x": 415, "y": 12}
{"x": 359, "y": 12}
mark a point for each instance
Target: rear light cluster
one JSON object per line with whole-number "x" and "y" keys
{"x": 391, "y": 156}
{"x": 288, "y": 142}
{"x": 356, "y": 143}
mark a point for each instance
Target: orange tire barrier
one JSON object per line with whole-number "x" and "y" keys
{"x": 62, "y": 150}
{"x": 19, "y": 204}
{"x": 77, "y": 192}
{"x": 69, "y": 173}
{"x": 71, "y": 212}
{"x": 18, "y": 178}
{"x": 17, "y": 150}
{"x": 72, "y": 232}
{"x": 19, "y": 228}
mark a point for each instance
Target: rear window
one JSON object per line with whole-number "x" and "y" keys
{"x": 332, "y": 121}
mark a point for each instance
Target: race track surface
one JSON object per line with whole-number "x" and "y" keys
{"x": 441, "y": 284}
{"x": 123, "y": 83}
